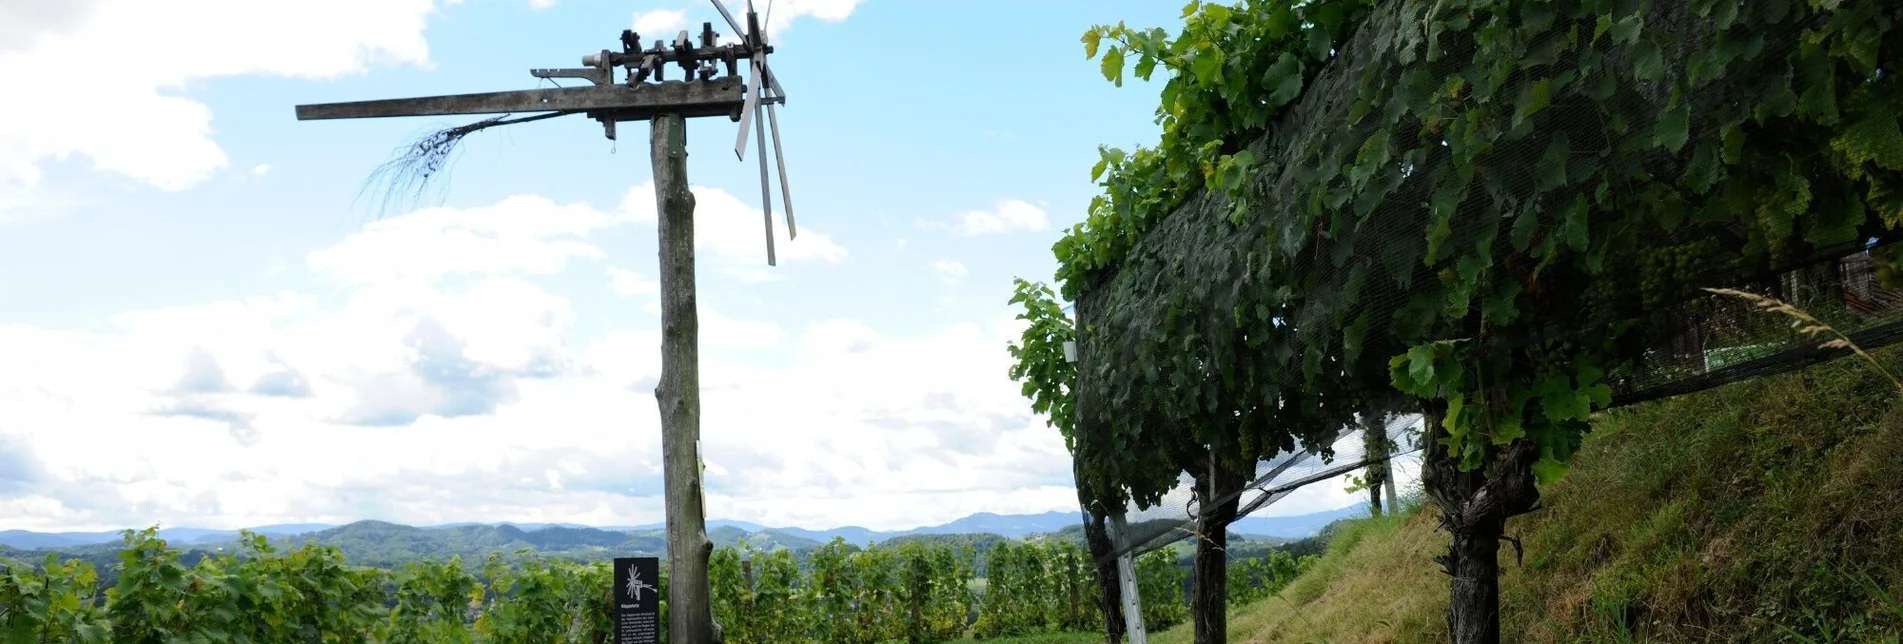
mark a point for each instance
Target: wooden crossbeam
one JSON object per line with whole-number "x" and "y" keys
{"x": 719, "y": 97}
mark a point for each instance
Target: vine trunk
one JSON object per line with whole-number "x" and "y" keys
{"x": 1475, "y": 506}
{"x": 1209, "y": 596}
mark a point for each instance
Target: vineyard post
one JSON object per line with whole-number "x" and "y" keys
{"x": 1394, "y": 499}
{"x": 1127, "y": 575}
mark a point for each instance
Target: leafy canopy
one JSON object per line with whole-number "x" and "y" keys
{"x": 1476, "y": 202}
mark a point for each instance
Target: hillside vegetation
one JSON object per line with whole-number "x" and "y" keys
{"x": 1765, "y": 511}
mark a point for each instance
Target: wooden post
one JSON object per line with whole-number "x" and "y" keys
{"x": 1127, "y": 575}
{"x": 690, "y": 609}
{"x": 1394, "y": 498}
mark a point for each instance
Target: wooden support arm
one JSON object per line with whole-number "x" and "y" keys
{"x": 718, "y": 97}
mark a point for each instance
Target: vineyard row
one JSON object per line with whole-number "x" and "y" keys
{"x": 840, "y": 594}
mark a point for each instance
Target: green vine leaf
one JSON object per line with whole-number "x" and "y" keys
{"x": 1284, "y": 80}
{"x": 1875, "y": 138}
{"x": 1536, "y": 98}
{"x": 1673, "y": 128}
{"x": 1113, "y": 65}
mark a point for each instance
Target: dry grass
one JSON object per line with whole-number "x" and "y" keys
{"x": 1769, "y": 510}
{"x": 1377, "y": 583}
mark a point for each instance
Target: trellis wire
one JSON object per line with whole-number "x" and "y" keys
{"x": 1176, "y": 517}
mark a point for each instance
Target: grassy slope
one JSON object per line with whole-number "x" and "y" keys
{"x": 1755, "y": 512}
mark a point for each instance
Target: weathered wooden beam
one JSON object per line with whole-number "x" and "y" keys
{"x": 690, "y": 618}
{"x": 621, "y": 103}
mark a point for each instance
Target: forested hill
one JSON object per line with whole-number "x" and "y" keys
{"x": 389, "y": 545}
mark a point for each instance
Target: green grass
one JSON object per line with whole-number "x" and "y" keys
{"x": 1768, "y": 511}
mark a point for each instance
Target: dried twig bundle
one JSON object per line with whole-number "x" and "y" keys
{"x": 418, "y": 165}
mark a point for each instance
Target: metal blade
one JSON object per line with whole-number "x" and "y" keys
{"x": 766, "y": 187}
{"x": 786, "y": 190}
{"x": 747, "y": 111}
{"x": 735, "y": 24}
{"x": 773, "y": 81}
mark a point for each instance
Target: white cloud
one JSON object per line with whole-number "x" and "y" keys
{"x": 659, "y": 23}
{"x": 1009, "y": 216}
{"x": 949, "y": 271}
{"x": 720, "y": 331}
{"x": 786, "y": 11}
{"x": 180, "y": 43}
{"x": 921, "y": 424}
{"x": 261, "y": 169}
{"x": 440, "y": 362}
{"x": 542, "y": 4}
{"x": 664, "y": 23}
{"x": 735, "y": 233}
{"x": 627, "y": 282}
{"x": 840, "y": 336}
{"x": 526, "y": 234}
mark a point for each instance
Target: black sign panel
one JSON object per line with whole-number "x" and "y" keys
{"x": 637, "y": 600}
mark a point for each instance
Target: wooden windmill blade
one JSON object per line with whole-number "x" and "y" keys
{"x": 761, "y": 95}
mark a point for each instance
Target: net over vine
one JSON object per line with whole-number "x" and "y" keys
{"x": 1501, "y": 214}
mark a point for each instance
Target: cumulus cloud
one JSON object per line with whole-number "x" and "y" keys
{"x": 950, "y": 272}
{"x": 659, "y": 22}
{"x": 170, "y": 145}
{"x": 438, "y": 360}
{"x": 785, "y": 12}
{"x": 627, "y": 282}
{"x": 663, "y": 23}
{"x": 734, "y": 232}
{"x": 1009, "y": 216}
{"x": 522, "y": 234}
{"x": 18, "y": 470}
{"x": 202, "y": 374}
{"x": 285, "y": 382}
{"x": 181, "y": 43}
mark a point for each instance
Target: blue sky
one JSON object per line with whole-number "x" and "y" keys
{"x": 202, "y": 325}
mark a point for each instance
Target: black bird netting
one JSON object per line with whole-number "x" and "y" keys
{"x": 1721, "y": 347}
{"x": 1204, "y": 261}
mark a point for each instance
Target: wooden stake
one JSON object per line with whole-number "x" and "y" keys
{"x": 690, "y": 609}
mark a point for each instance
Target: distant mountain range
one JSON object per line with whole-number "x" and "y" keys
{"x": 27, "y": 540}
{"x": 389, "y": 542}
{"x": 1297, "y": 526}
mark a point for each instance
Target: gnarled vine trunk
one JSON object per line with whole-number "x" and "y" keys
{"x": 1110, "y": 595}
{"x": 1375, "y": 438}
{"x": 1209, "y": 596}
{"x": 1474, "y": 508}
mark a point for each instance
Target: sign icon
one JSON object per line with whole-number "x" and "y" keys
{"x": 635, "y": 585}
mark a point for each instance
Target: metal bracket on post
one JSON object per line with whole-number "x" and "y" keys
{"x": 1127, "y": 581}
